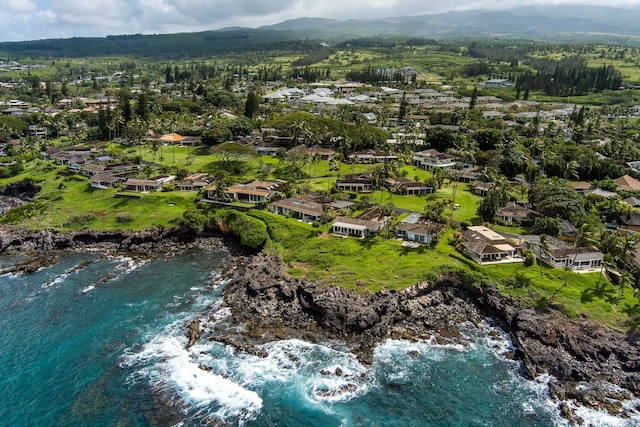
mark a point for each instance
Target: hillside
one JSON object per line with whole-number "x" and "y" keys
{"x": 549, "y": 22}
{"x": 164, "y": 46}
{"x": 555, "y": 23}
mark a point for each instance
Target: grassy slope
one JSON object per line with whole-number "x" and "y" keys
{"x": 59, "y": 206}
{"x": 363, "y": 264}
{"x": 375, "y": 264}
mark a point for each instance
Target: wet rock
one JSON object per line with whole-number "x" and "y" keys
{"x": 241, "y": 346}
{"x": 261, "y": 295}
{"x": 193, "y": 332}
{"x": 33, "y": 263}
{"x": 345, "y": 388}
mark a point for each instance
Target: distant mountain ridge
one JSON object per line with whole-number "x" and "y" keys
{"x": 540, "y": 22}
{"x": 569, "y": 23}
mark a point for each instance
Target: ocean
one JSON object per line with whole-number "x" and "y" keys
{"x": 98, "y": 340}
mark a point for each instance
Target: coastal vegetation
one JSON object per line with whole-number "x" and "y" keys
{"x": 531, "y": 119}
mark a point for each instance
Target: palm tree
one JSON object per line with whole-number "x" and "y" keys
{"x": 299, "y": 130}
{"x": 314, "y": 159}
{"x": 607, "y": 262}
{"x": 626, "y": 246}
{"x": 136, "y": 130}
{"x": 328, "y": 215}
{"x": 545, "y": 151}
{"x": 388, "y": 210}
{"x": 379, "y": 174}
{"x": 571, "y": 170}
{"x": 545, "y": 248}
{"x": 5, "y": 133}
{"x": 333, "y": 167}
{"x": 586, "y": 236}
{"x": 116, "y": 122}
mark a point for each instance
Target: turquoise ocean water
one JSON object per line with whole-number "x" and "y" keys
{"x": 104, "y": 345}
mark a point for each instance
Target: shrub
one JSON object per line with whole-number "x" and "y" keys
{"x": 251, "y": 231}
{"x": 82, "y": 219}
{"x": 11, "y": 170}
{"x": 124, "y": 217}
{"x": 529, "y": 257}
{"x": 518, "y": 281}
{"x": 194, "y": 219}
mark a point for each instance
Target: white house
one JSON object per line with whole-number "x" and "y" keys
{"x": 355, "y": 227}
{"x": 416, "y": 229}
{"x": 429, "y": 159}
{"x": 305, "y": 209}
{"x": 486, "y": 246}
{"x": 563, "y": 255}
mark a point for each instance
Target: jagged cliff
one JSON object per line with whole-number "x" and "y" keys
{"x": 584, "y": 358}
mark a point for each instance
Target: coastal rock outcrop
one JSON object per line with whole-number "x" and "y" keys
{"x": 576, "y": 353}
{"x": 145, "y": 242}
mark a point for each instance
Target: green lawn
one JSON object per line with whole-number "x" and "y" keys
{"x": 374, "y": 264}
{"x": 68, "y": 202}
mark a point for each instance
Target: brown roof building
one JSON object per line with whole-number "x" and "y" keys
{"x": 627, "y": 183}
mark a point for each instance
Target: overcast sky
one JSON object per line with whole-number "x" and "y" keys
{"x": 39, "y": 19}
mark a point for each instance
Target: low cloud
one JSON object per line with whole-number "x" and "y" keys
{"x": 37, "y": 19}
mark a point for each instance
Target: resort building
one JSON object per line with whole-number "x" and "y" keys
{"x": 147, "y": 185}
{"x": 304, "y": 209}
{"x": 406, "y": 186}
{"x": 429, "y": 159}
{"x": 415, "y": 228}
{"x": 250, "y": 192}
{"x": 486, "y": 246}
{"x": 360, "y": 183}
{"x": 561, "y": 254}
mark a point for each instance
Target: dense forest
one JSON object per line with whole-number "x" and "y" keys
{"x": 166, "y": 46}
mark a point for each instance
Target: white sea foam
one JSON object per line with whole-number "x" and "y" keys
{"x": 13, "y": 275}
{"x": 316, "y": 372}
{"x": 88, "y": 289}
{"x": 169, "y": 366}
{"x": 217, "y": 283}
{"x": 389, "y": 350}
{"x": 127, "y": 265}
{"x": 55, "y": 281}
{"x": 605, "y": 419}
{"x": 134, "y": 304}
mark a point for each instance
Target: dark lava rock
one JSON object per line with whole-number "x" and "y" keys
{"x": 193, "y": 333}
{"x": 24, "y": 190}
{"x": 263, "y": 297}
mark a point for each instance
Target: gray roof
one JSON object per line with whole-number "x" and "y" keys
{"x": 358, "y": 223}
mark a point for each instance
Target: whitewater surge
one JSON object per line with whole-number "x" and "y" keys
{"x": 86, "y": 351}
{"x": 169, "y": 367}
{"x": 327, "y": 383}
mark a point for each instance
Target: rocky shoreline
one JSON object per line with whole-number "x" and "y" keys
{"x": 42, "y": 248}
{"x": 591, "y": 366}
